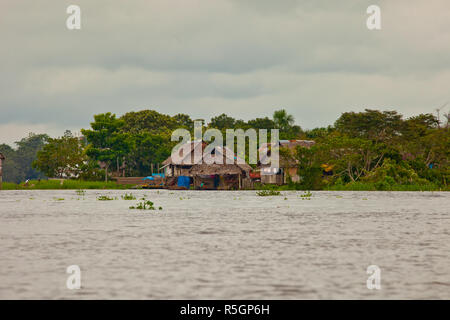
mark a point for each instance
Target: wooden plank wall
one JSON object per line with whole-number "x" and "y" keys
{"x": 130, "y": 180}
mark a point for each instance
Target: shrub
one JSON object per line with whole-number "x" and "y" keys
{"x": 104, "y": 198}
{"x": 266, "y": 193}
{"x": 145, "y": 205}
{"x": 127, "y": 196}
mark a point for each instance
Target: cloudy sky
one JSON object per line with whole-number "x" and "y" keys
{"x": 246, "y": 58}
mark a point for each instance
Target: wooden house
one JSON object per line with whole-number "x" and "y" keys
{"x": 288, "y": 166}
{"x": 204, "y": 170}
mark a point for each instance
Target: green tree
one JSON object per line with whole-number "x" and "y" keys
{"x": 283, "y": 120}
{"x": 107, "y": 143}
{"x": 147, "y": 149}
{"x": 18, "y": 164}
{"x": 261, "y": 123}
{"x": 371, "y": 124}
{"x": 350, "y": 158}
{"x": 222, "y": 122}
{"x": 151, "y": 121}
{"x": 183, "y": 120}
{"x": 285, "y": 123}
{"x": 11, "y": 171}
{"x": 309, "y": 167}
{"x": 61, "y": 157}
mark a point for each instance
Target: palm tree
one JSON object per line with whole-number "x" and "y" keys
{"x": 283, "y": 120}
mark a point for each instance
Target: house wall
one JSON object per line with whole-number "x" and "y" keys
{"x": 175, "y": 171}
{"x": 224, "y": 182}
{"x": 247, "y": 183}
{"x": 292, "y": 173}
{"x": 272, "y": 179}
{"x": 180, "y": 171}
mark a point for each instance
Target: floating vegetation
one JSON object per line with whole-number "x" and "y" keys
{"x": 145, "y": 205}
{"x": 104, "y": 198}
{"x": 127, "y": 196}
{"x": 267, "y": 193}
{"x": 80, "y": 192}
{"x": 59, "y": 199}
{"x": 306, "y": 195}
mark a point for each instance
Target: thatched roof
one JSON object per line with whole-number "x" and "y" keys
{"x": 187, "y": 158}
{"x": 219, "y": 169}
{"x": 227, "y": 155}
{"x": 230, "y": 163}
{"x": 288, "y": 144}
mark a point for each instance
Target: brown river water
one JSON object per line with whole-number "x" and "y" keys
{"x": 225, "y": 245}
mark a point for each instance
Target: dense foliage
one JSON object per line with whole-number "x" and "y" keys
{"x": 380, "y": 149}
{"x": 18, "y": 164}
{"x": 377, "y": 150}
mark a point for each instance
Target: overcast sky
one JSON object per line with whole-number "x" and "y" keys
{"x": 245, "y": 58}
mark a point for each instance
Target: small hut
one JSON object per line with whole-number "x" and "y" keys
{"x": 2, "y": 158}
{"x": 219, "y": 176}
{"x": 186, "y": 154}
{"x": 288, "y": 165}
{"x": 205, "y": 172}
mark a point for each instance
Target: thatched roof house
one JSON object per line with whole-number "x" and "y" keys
{"x": 288, "y": 144}
{"x": 205, "y": 164}
{"x": 186, "y": 154}
{"x": 220, "y": 168}
{"x": 288, "y": 164}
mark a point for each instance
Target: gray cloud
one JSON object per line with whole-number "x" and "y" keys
{"x": 246, "y": 58}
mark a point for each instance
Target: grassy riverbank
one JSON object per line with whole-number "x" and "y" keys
{"x": 356, "y": 186}
{"x": 64, "y": 184}
{"x": 360, "y": 186}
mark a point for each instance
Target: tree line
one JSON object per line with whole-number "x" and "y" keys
{"x": 377, "y": 147}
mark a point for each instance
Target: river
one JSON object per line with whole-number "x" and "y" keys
{"x": 225, "y": 245}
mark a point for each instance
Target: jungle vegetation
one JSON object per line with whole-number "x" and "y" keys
{"x": 369, "y": 150}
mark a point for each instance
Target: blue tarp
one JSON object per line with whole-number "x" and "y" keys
{"x": 152, "y": 177}
{"x": 184, "y": 181}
